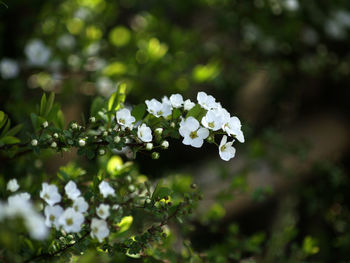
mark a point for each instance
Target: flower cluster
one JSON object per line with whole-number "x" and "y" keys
{"x": 194, "y": 129}
{"x": 70, "y": 219}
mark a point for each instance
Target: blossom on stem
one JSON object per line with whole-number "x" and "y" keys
{"x": 71, "y": 190}
{"x": 158, "y": 109}
{"x": 52, "y": 214}
{"x": 106, "y": 189}
{"x": 103, "y": 211}
{"x": 192, "y": 132}
{"x": 213, "y": 120}
{"x": 207, "y": 101}
{"x": 124, "y": 118}
{"x": 226, "y": 151}
{"x": 50, "y": 194}
{"x": 99, "y": 229}
{"x": 80, "y": 205}
{"x": 12, "y": 185}
{"x": 176, "y": 100}
{"x": 71, "y": 220}
{"x": 144, "y": 133}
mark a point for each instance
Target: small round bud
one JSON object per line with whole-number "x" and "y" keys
{"x": 116, "y": 139}
{"x": 159, "y": 131}
{"x": 92, "y": 119}
{"x": 53, "y": 145}
{"x": 148, "y": 201}
{"x": 101, "y": 152}
{"x": 109, "y": 130}
{"x": 165, "y": 144}
{"x": 211, "y": 139}
{"x": 55, "y": 135}
{"x": 70, "y": 142}
{"x": 81, "y": 143}
{"x": 74, "y": 126}
{"x": 149, "y": 146}
{"x": 105, "y": 133}
{"x": 34, "y": 142}
{"x": 172, "y": 124}
{"x": 131, "y": 188}
{"x": 155, "y": 155}
{"x": 128, "y": 178}
{"x": 193, "y": 186}
{"x": 45, "y": 124}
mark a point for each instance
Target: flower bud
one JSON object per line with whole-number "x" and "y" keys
{"x": 128, "y": 178}
{"x": 172, "y": 124}
{"x": 55, "y": 135}
{"x": 101, "y": 152}
{"x": 159, "y": 131}
{"x": 131, "y": 188}
{"x": 211, "y": 139}
{"x": 165, "y": 144}
{"x": 149, "y": 146}
{"x": 53, "y": 145}
{"x": 148, "y": 201}
{"x": 105, "y": 133}
{"x": 116, "y": 139}
{"x": 45, "y": 124}
{"x": 155, "y": 155}
{"x": 81, "y": 143}
{"x": 70, "y": 142}
{"x": 34, "y": 142}
{"x": 92, "y": 119}
{"x": 74, "y": 126}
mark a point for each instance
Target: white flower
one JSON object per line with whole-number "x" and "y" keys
{"x": 188, "y": 104}
{"x": 192, "y": 132}
{"x": 144, "y": 133}
{"x": 165, "y": 144}
{"x": 80, "y": 205}
{"x": 158, "y": 109}
{"x": 103, "y": 211}
{"x": 18, "y": 204}
{"x": 106, "y": 189}
{"x": 82, "y": 143}
{"x": 213, "y": 120}
{"x": 99, "y": 229}
{"x": 53, "y": 144}
{"x": 71, "y": 220}
{"x": 34, "y": 142}
{"x": 115, "y": 207}
{"x": 8, "y": 68}
{"x": 52, "y": 214}
{"x": 66, "y": 41}
{"x": 232, "y": 126}
{"x": 176, "y": 100}
{"x": 124, "y": 118}
{"x": 226, "y": 151}
{"x": 12, "y": 185}
{"x": 207, "y": 101}
{"x": 71, "y": 190}
{"x": 37, "y": 53}
{"x": 35, "y": 224}
{"x": 50, "y": 194}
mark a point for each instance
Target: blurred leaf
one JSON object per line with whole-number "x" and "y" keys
{"x": 96, "y": 106}
{"x": 14, "y": 130}
{"x": 42, "y": 105}
{"x": 125, "y": 224}
{"x": 8, "y": 140}
{"x": 119, "y": 36}
{"x": 196, "y": 112}
{"x": 139, "y": 111}
{"x": 115, "y": 68}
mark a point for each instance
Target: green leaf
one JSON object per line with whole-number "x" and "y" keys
{"x": 3, "y": 118}
{"x": 14, "y": 130}
{"x": 42, "y": 105}
{"x": 161, "y": 192}
{"x": 34, "y": 119}
{"x": 176, "y": 113}
{"x": 139, "y": 111}
{"x": 196, "y": 112}
{"x": 9, "y": 140}
{"x": 49, "y": 103}
{"x": 96, "y": 106}
{"x": 59, "y": 120}
{"x": 117, "y": 98}
{"x": 7, "y": 127}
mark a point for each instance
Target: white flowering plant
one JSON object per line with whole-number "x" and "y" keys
{"x": 118, "y": 210}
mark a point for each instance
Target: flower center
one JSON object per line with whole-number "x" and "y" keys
{"x": 193, "y": 135}
{"x": 95, "y": 230}
{"x": 101, "y": 212}
{"x": 211, "y": 124}
{"x": 52, "y": 218}
{"x": 122, "y": 121}
{"x": 159, "y": 112}
{"x": 46, "y": 196}
{"x": 69, "y": 221}
{"x": 223, "y": 148}
{"x": 76, "y": 208}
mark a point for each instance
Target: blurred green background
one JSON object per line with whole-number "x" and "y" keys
{"x": 281, "y": 66}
